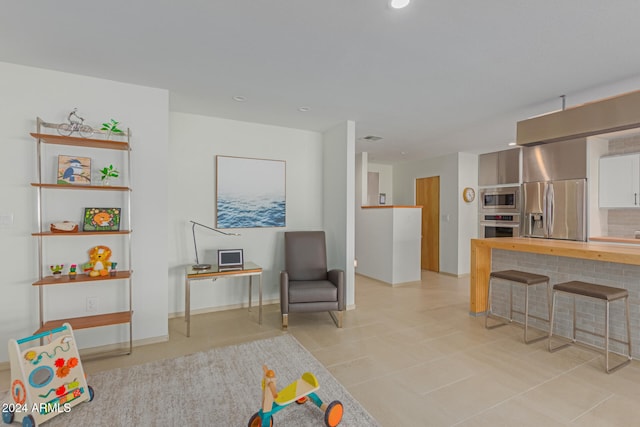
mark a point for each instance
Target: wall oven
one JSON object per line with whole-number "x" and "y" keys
{"x": 500, "y": 199}
{"x": 499, "y": 225}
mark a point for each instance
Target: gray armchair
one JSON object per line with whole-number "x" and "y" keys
{"x": 305, "y": 284}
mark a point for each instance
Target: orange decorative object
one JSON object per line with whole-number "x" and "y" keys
{"x": 99, "y": 258}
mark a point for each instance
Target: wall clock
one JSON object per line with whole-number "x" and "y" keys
{"x": 468, "y": 194}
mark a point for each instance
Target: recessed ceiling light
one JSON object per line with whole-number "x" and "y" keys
{"x": 399, "y": 4}
{"x": 239, "y": 98}
{"x": 512, "y": 143}
{"x": 303, "y": 109}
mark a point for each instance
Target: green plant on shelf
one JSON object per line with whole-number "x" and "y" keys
{"x": 109, "y": 172}
{"x": 112, "y": 127}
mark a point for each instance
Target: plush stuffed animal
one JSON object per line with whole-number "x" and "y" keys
{"x": 99, "y": 259}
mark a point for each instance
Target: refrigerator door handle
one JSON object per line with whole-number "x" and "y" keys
{"x": 550, "y": 207}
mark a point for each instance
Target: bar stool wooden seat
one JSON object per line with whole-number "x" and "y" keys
{"x": 522, "y": 278}
{"x": 607, "y": 294}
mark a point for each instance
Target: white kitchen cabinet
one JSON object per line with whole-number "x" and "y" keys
{"x": 620, "y": 181}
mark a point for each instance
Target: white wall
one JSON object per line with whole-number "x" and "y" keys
{"x": 404, "y": 189}
{"x": 467, "y": 212}
{"x": 29, "y": 92}
{"x": 195, "y": 142}
{"x": 339, "y": 193}
{"x": 385, "y": 174}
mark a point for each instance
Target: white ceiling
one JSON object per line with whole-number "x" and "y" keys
{"x": 411, "y": 76}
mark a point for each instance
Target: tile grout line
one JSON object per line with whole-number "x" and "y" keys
{"x": 523, "y": 392}
{"x": 593, "y": 407}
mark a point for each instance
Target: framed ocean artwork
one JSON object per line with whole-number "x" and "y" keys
{"x": 250, "y": 192}
{"x": 74, "y": 170}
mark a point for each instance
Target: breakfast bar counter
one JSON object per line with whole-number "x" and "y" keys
{"x": 481, "y": 258}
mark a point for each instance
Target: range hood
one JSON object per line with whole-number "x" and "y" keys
{"x": 613, "y": 114}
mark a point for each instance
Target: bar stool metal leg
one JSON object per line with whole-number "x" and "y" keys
{"x": 553, "y": 308}
{"x": 489, "y": 312}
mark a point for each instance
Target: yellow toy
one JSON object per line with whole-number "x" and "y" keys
{"x": 46, "y": 380}
{"x": 99, "y": 260}
{"x": 299, "y": 391}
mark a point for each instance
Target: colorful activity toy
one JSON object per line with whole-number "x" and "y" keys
{"x": 46, "y": 380}
{"x": 299, "y": 391}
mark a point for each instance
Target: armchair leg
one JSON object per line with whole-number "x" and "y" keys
{"x": 285, "y": 321}
{"x": 337, "y": 320}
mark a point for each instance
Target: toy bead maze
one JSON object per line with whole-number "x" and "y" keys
{"x": 46, "y": 380}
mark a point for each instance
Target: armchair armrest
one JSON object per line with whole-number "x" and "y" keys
{"x": 284, "y": 292}
{"x": 337, "y": 278}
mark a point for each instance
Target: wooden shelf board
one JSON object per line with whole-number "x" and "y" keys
{"x": 89, "y": 321}
{"x": 81, "y": 187}
{"x": 50, "y": 280}
{"x": 80, "y": 142}
{"x": 81, "y": 233}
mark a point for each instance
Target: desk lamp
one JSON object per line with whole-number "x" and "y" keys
{"x": 197, "y": 265}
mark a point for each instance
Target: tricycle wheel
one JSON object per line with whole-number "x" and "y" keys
{"x": 7, "y": 416}
{"x": 333, "y": 414}
{"x": 91, "y": 393}
{"x": 256, "y": 420}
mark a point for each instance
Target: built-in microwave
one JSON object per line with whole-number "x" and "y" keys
{"x": 501, "y": 199}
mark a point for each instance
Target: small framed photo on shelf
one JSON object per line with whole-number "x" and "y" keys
{"x": 101, "y": 219}
{"x": 74, "y": 170}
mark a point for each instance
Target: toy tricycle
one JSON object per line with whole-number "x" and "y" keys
{"x": 299, "y": 391}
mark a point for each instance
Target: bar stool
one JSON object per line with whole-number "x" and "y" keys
{"x": 607, "y": 294}
{"x": 522, "y": 278}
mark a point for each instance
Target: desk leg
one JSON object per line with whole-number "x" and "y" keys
{"x": 250, "y": 286}
{"x": 260, "y": 299}
{"x": 187, "y": 305}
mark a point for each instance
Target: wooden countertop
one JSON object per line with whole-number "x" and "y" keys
{"x": 623, "y": 254}
{"x": 627, "y": 240}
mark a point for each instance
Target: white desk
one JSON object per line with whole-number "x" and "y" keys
{"x": 249, "y": 269}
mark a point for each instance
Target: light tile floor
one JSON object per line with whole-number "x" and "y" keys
{"x": 412, "y": 355}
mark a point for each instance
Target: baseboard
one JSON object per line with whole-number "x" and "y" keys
{"x": 454, "y": 275}
{"x": 387, "y": 283}
{"x": 223, "y": 308}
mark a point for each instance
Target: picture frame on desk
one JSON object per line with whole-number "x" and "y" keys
{"x": 230, "y": 259}
{"x": 101, "y": 219}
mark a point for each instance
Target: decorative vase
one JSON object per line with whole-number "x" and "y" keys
{"x": 106, "y": 181}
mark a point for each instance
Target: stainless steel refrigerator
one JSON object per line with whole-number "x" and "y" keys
{"x": 555, "y": 209}
{"x": 555, "y": 190}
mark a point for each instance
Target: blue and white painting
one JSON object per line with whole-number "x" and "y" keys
{"x": 250, "y": 192}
